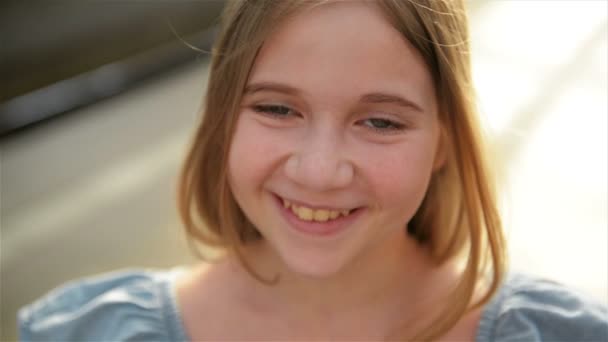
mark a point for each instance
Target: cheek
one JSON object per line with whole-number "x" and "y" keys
{"x": 399, "y": 176}
{"x": 253, "y": 154}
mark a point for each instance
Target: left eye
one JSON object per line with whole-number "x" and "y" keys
{"x": 383, "y": 124}
{"x": 274, "y": 110}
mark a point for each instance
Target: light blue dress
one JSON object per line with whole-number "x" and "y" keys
{"x": 139, "y": 305}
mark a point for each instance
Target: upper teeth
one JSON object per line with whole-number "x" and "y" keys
{"x": 309, "y": 214}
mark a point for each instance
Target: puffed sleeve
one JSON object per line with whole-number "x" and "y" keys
{"x": 120, "y": 306}
{"x": 533, "y": 309}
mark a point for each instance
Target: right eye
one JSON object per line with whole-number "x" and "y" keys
{"x": 278, "y": 111}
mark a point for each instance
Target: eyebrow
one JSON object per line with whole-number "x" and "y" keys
{"x": 374, "y": 98}
{"x": 270, "y": 86}
{"x": 390, "y": 99}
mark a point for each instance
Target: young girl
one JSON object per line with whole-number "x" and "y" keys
{"x": 339, "y": 167}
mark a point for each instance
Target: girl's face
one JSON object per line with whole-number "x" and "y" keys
{"x": 337, "y": 137}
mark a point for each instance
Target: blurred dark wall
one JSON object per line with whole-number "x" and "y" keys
{"x": 47, "y": 41}
{"x": 57, "y": 56}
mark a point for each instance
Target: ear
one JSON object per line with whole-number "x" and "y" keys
{"x": 441, "y": 154}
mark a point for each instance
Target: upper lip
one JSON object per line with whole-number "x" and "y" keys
{"x": 315, "y": 206}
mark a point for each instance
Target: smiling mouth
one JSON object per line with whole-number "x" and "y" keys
{"x": 314, "y": 215}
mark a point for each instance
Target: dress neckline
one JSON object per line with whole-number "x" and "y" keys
{"x": 176, "y": 330}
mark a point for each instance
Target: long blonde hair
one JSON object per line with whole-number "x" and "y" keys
{"x": 458, "y": 217}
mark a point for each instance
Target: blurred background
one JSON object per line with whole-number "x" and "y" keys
{"x": 99, "y": 99}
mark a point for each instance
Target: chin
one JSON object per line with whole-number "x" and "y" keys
{"x": 314, "y": 271}
{"x": 314, "y": 264}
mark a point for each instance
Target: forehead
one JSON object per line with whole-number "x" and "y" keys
{"x": 340, "y": 50}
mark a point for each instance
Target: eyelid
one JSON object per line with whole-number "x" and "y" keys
{"x": 394, "y": 126}
{"x": 270, "y": 109}
{"x": 397, "y": 124}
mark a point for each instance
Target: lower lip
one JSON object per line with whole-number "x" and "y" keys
{"x": 316, "y": 228}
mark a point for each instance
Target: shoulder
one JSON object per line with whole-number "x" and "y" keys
{"x": 216, "y": 285}
{"x": 533, "y": 309}
{"x": 117, "y": 306}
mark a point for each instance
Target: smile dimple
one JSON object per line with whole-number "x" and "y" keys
{"x": 309, "y": 214}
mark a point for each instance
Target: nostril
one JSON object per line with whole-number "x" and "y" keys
{"x": 318, "y": 173}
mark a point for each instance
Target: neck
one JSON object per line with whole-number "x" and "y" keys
{"x": 394, "y": 280}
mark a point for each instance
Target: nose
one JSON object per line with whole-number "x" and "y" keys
{"x": 319, "y": 165}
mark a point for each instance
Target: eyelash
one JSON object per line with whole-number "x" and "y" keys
{"x": 283, "y": 112}
{"x": 391, "y": 126}
{"x": 277, "y": 111}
